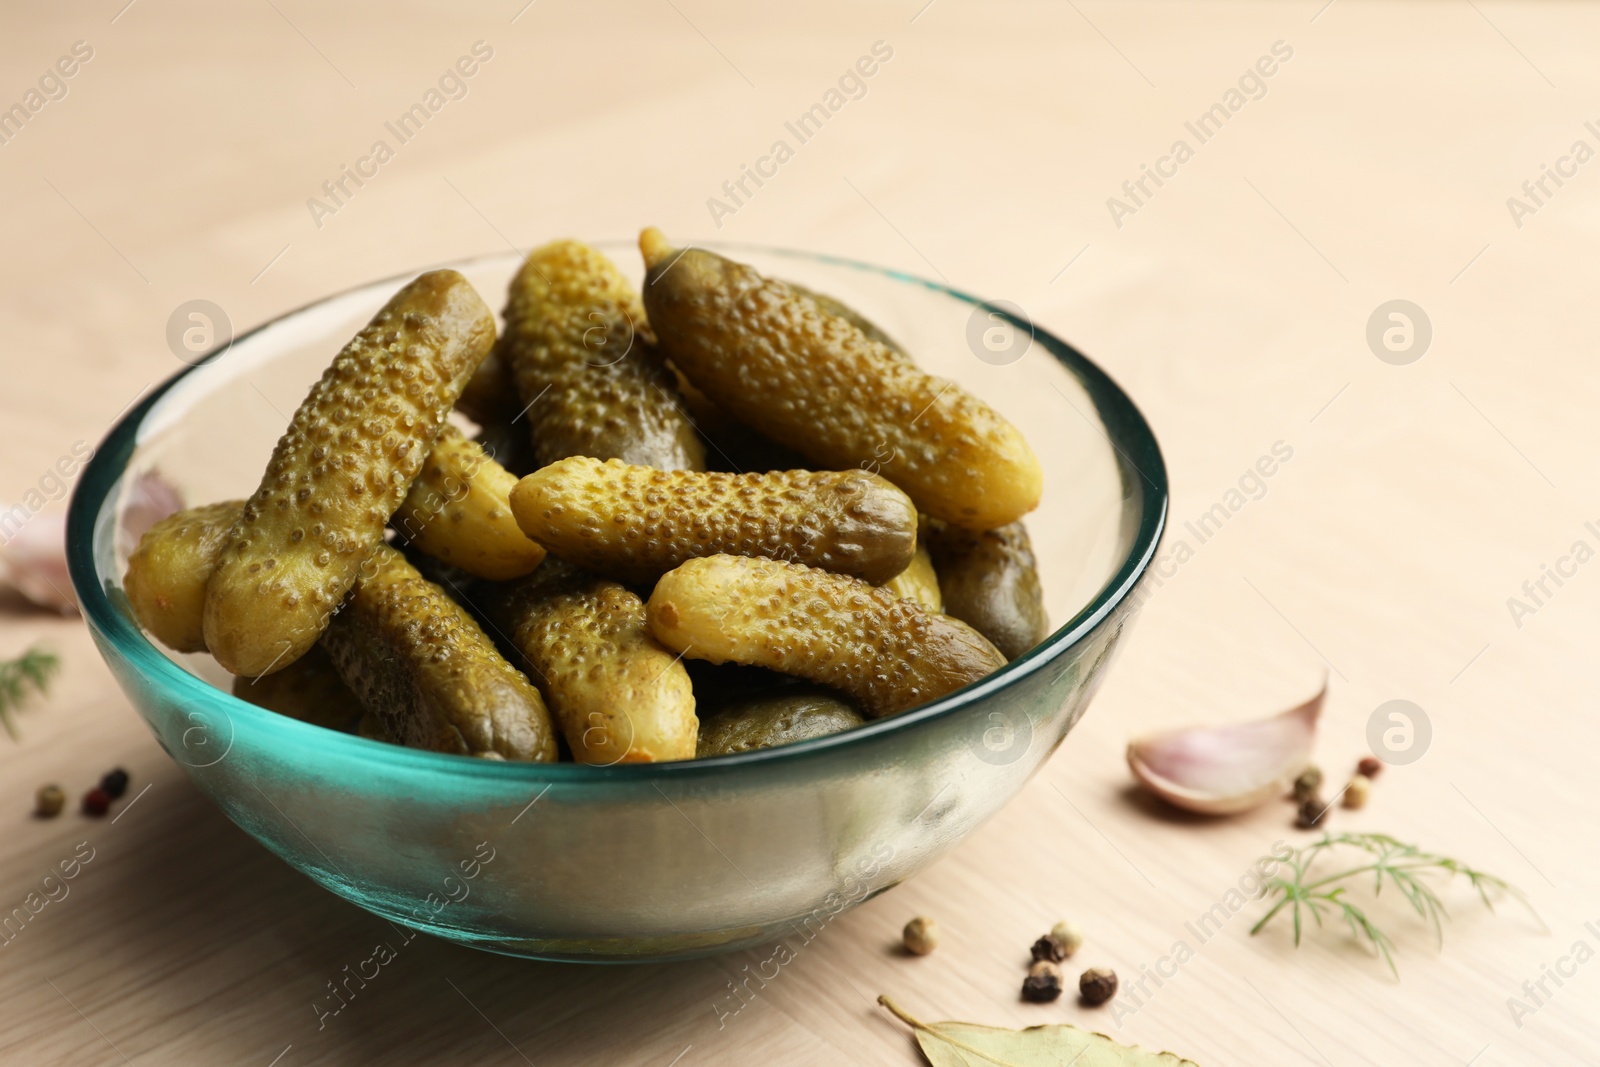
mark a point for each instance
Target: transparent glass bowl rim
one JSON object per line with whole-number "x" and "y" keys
{"x": 1125, "y": 428}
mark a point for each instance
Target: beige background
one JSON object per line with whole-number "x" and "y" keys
{"x": 1232, "y": 306}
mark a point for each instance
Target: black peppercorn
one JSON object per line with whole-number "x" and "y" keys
{"x": 115, "y": 783}
{"x": 1311, "y": 814}
{"x": 1043, "y": 983}
{"x": 1048, "y": 948}
{"x": 1097, "y": 985}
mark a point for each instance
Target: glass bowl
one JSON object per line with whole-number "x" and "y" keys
{"x": 572, "y": 862}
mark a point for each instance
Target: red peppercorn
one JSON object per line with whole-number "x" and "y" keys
{"x": 1369, "y": 766}
{"x": 96, "y": 802}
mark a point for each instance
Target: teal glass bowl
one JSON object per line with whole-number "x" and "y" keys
{"x": 635, "y": 862}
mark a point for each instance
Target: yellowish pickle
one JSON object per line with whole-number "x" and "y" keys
{"x": 168, "y": 571}
{"x": 309, "y": 689}
{"x": 835, "y": 306}
{"x": 339, "y": 471}
{"x": 990, "y": 581}
{"x": 459, "y": 511}
{"x": 919, "y": 581}
{"x": 814, "y": 382}
{"x": 773, "y": 719}
{"x": 592, "y": 385}
{"x": 637, "y": 523}
{"x": 885, "y": 653}
{"x": 422, "y": 666}
{"x": 618, "y": 696}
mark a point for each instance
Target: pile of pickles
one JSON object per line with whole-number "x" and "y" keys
{"x": 729, "y": 515}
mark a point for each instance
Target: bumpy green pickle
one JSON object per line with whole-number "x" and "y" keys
{"x": 774, "y": 719}
{"x": 617, "y": 694}
{"x": 167, "y": 573}
{"x": 813, "y": 381}
{"x": 459, "y": 511}
{"x": 578, "y": 346}
{"x": 886, "y": 653}
{"x": 636, "y": 523}
{"x": 835, "y": 306}
{"x": 339, "y": 471}
{"x": 991, "y": 582}
{"x": 421, "y": 665}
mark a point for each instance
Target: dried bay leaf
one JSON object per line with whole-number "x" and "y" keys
{"x": 957, "y": 1044}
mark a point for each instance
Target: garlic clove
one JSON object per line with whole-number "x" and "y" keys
{"x": 34, "y": 562}
{"x": 150, "y": 499}
{"x": 1220, "y": 770}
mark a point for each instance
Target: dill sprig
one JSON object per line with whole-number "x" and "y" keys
{"x": 1391, "y": 862}
{"x": 28, "y": 673}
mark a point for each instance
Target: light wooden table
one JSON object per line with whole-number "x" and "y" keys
{"x": 1232, "y": 304}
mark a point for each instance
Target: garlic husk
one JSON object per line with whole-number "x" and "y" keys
{"x": 1221, "y": 770}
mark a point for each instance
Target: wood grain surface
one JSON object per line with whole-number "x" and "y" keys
{"x": 1232, "y": 301}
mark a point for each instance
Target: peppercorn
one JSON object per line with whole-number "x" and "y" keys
{"x": 921, "y": 936}
{"x": 1097, "y": 985}
{"x": 1356, "y": 793}
{"x": 1069, "y": 935}
{"x": 48, "y": 802}
{"x": 1048, "y": 948}
{"x": 1043, "y": 983}
{"x": 96, "y": 802}
{"x": 115, "y": 783}
{"x": 1306, "y": 786}
{"x": 1369, "y": 766}
{"x": 1312, "y": 810}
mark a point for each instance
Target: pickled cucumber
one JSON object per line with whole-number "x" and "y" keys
{"x": 814, "y": 382}
{"x": 371, "y": 727}
{"x": 425, "y": 670}
{"x": 577, "y": 344}
{"x": 774, "y": 719}
{"x": 886, "y": 653}
{"x": 339, "y": 471}
{"x": 918, "y": 581}
{"x": 991, "y": 582}
{"x": 458, "y": 510}
{"x": 835, "y": 306}
{"x": 730, "y": 444}
{"x": 618, "y": 696}
{"x": 168, "y": 571}
{"x": 636, "y": 523}
{"x": 309, "y": 689}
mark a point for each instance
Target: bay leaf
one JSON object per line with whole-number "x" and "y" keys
{"x": 958, "y": 1044}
